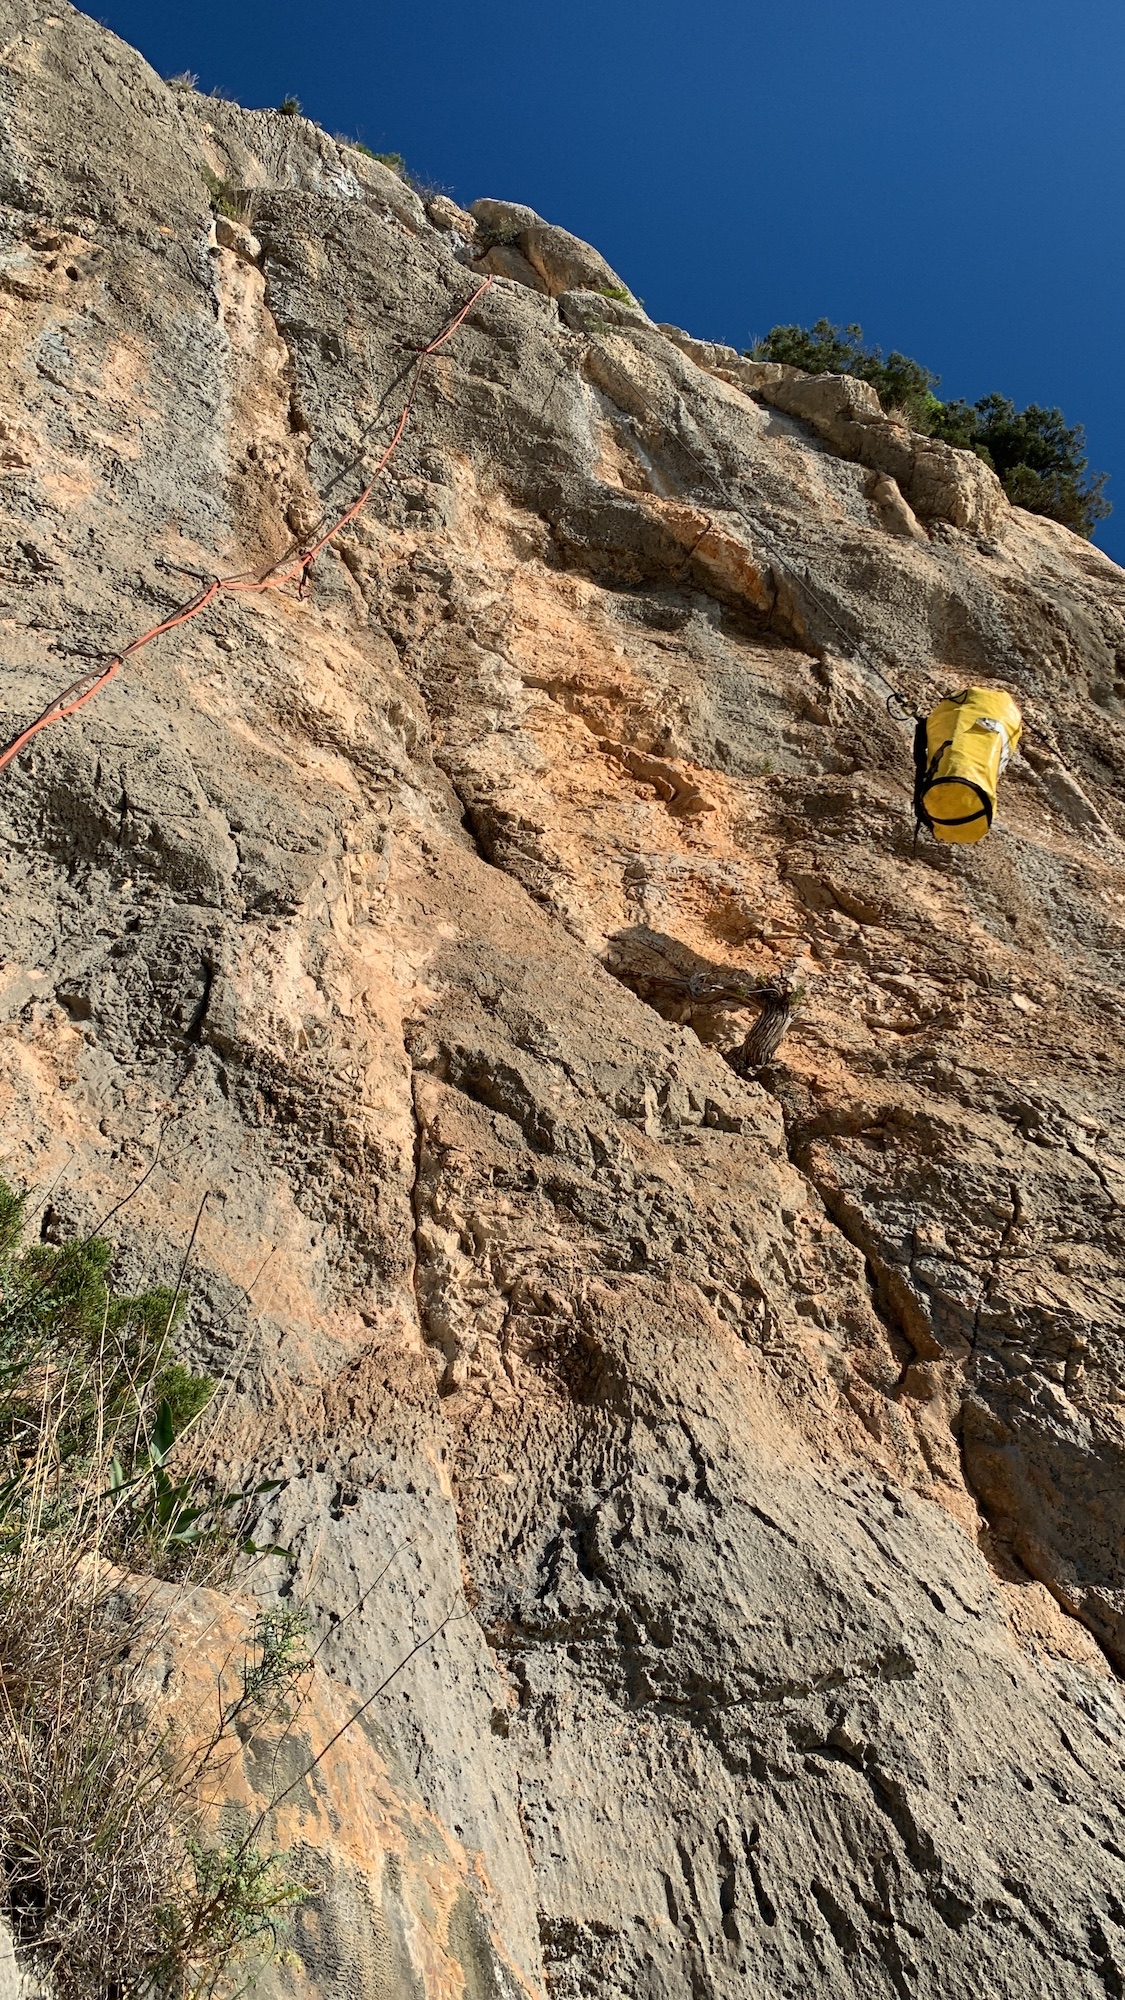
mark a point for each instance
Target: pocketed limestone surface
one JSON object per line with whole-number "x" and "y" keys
{"x": 753, "y": 1449}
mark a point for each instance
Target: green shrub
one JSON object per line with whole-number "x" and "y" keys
{"x": 105, "y": 1877}
{"x": 112, "y": 1888}
{"x": 824, "y": 349}
{"x": 1039, "y": 459}
{"x": 110, "y": 1885}
{"x": 85, "y": 1367}
{"x": 243, "y": 1898}
{"x": 290, "y": 107}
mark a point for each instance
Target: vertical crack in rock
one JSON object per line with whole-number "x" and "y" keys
{"x": 998, "y": 1545}
{"x": 985, "y": 1295}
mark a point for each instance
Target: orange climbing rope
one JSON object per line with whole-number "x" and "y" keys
{"x": 279, "y": 573}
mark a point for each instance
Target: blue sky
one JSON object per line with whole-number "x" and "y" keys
{"x": 951, "y": 176}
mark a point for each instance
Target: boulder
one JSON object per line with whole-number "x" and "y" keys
{"x": 957, "y": 486}
{"x": 711, "y": 354}
{"x": 893, "y": 512}
{"x": 565, "y": 263}
{"x": 846, "y": 413}
{"x": 593, "y": 312}
{"x": 231, "y": 235}
{"x": 502, "y": 220}
{"x": 444, "y": 213}
{"x": 934, "y": 479}
{"x": 728, "y": 364}
{"x": 938, "y": 481}
{"x": 266, "y": 149}
{"x": 503, "y": 260}
{"x": 562, "y": 262}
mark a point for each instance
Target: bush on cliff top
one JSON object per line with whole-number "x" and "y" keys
{"x": 824, "y": 349}
{"x": 1039, "y": 459}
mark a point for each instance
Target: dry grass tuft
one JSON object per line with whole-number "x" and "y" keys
{"x": 92, "y": 1822}
{"x": 111, "y": 1887}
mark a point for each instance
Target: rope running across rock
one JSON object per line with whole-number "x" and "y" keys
{"x": 285, "y": 570}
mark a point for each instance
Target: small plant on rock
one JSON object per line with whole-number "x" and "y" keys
{"x": 236, "y": 203}
{"x": 242, "y": 1900}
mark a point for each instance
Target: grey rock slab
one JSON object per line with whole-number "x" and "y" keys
{"x": 17, "y": 1981}
{"x": 377, "y": 1565}
{"x": 503, "y": 220}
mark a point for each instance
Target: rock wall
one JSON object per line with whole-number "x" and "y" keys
{"x": 392, "y": 1903}
{"x": 764, "y": 1439}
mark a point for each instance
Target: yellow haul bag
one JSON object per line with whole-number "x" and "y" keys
{"x": 961, "y": 752}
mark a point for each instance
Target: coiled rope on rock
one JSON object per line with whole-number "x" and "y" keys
{"x": 287, "y": 569}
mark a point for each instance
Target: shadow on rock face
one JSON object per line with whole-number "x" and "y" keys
{"x": 681, "y": 985}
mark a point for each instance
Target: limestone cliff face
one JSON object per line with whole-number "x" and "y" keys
{"x": 766, "y": 1438}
